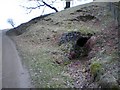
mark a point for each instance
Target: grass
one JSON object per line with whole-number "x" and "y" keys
{"x": 80, "y": 28}
{"x": 86, "y": 30}
{"x": 95, "y": 67}
{"x": 45, "y": 73}
{"x": 103, "y": 63}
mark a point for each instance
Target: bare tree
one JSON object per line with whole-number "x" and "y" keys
{"x": 50, "y": 6}
{"x": 42, "y": 3}
{"x": 11, "y": 22}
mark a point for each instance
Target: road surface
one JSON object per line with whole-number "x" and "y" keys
{"x": 0, "y": 60}
{"x": 14, "y": 74}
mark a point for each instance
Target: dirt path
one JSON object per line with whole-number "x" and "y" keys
{"x": 14, "y": 75}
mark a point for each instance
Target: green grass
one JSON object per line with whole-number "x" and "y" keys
{"x": 95, "y": 67}
{"x": 45, "y": 73}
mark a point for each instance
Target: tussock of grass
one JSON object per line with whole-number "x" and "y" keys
{"x": 95, "y": 67}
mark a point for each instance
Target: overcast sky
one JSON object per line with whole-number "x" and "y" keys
{"x": 12, "y": 9}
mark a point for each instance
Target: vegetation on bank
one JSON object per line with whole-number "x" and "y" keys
{"x": 39, "y": 49}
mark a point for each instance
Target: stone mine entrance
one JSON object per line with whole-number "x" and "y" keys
{"x": 73, "y": 43}
{"x": 82, "y": 41}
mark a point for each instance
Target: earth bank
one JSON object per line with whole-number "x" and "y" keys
{"x": 37, "y": 42}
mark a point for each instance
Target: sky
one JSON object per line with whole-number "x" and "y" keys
{"x": 12, "y": 9}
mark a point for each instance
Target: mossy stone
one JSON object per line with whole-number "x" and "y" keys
{"x": 95, "y": 67}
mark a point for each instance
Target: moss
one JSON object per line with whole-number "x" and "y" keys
{"x": 66, "y": 47}
{"x": 86, "y": 30}
{"x": 95, "y": 68}
{"x": 83, "y": 29}
{"x": 66, "y": 61}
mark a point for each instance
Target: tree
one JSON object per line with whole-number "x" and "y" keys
{"x": 11, "y": 22}
{"x": 67, "y": 5}
{"x": 42, "y": 3}
{"x": 50, "y": 6}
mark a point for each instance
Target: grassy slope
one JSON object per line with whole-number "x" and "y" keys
{"x": 39, "y": 50}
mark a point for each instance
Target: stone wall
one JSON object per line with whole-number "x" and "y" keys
{"x": 115, "y": 10}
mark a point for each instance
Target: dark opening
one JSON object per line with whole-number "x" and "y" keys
{"x": 79, "y": 11}
{"x": 82, "y": 41}
{"x": 85, "y": 18}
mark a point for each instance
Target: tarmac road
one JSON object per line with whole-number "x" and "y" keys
{"x": 14, "y": 74}
{"x": 0, "y": 60}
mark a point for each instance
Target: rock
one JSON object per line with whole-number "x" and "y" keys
{"x": 72, "y": 55}
{"x": 90, "y": 43}
{"x": 75, "y": 36}
{"x": 70, "y": 36}
{"x": 104, "y": 70}
{"x": 108, "y": 81}
{"x": 93, "y": 85}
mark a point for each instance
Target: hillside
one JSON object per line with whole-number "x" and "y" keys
{"x": 48, "y": 65}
